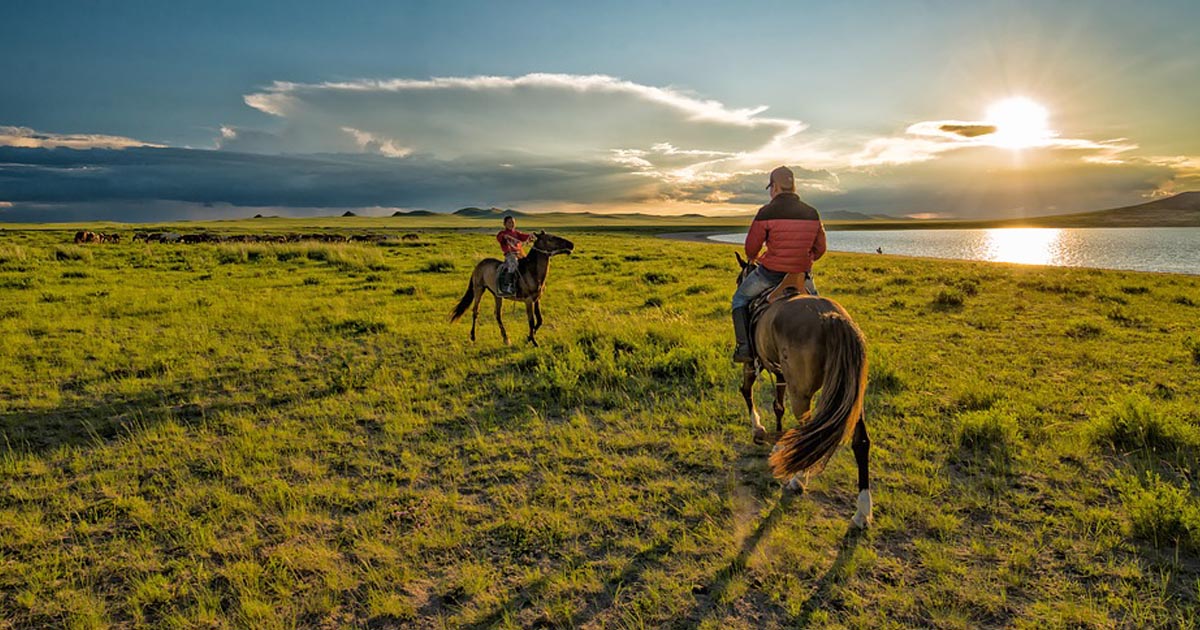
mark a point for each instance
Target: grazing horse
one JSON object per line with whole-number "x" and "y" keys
{"x": 809, "y": 343}
{"x": 85, "y": 236}
{"x": 531, "y": 282}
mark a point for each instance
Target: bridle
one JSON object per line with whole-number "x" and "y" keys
{"x": 547, "y": 252}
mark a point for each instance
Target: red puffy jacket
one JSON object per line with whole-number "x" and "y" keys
{"x": 792, "y": 232}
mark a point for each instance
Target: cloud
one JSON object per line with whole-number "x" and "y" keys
{"x": 970, "y": 183}
{"x": 970, "y": 130}
{"x": 551, "y": 141}
{"x": 371, "y": 143}
{"x": 325, "y": 180}
{"x": 543, "y": 115}
{"x": 927, "y": 140}
{"x": 28, "y": 138}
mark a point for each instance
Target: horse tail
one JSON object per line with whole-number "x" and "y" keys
{"x": 808, "y": 448}
{"x": 465, "y": 302}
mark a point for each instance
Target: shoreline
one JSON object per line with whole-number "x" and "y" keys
{"x": 695, "y": 237}
{"x": 703, "y": 237}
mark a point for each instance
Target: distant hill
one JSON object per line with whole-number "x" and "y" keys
{"x": 848, "y": 215}
{"x": 481, "y": 213}
{"x": 1181, "y": 210}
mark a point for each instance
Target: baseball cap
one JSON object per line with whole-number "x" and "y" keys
{"x": 782, "y": 176}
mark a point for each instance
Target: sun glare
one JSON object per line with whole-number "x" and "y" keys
{"x": 1030, "y": 246}
{"x": 1020, "y": 123}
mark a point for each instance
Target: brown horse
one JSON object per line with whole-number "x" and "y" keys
{"x": 809, "y": 343}
{"x": 531, "y": 282}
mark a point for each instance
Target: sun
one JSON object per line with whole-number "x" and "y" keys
{"x": 1020, "y": 123}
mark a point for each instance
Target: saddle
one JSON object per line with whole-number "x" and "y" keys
{"x": 792, "y": 284}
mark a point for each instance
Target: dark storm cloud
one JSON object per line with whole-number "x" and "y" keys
{"x": 325, "y": 180}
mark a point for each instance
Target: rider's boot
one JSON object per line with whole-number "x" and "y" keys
{"x": 741, "y": 332}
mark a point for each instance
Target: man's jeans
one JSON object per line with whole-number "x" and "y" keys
{"x": 759, "y": 280}
{"x": 510, "y": 262}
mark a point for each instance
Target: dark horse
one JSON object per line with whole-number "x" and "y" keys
{"x": 531, "y": 281}
{"x": 809, "y": 343}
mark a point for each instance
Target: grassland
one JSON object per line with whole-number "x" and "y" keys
{"x": 293, "y": 436}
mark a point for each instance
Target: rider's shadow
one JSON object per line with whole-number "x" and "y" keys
{"x": 824, "y": 588}
{"x": 711, "y": 595}
{"x": 754, "y": 475}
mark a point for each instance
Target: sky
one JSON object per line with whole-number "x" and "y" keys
{"x": 167, "y": 110}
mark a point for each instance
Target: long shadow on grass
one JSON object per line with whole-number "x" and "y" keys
{"x": 603, "y": 600}
{"x": 597, "y": 602}
{"x": 725, "y": 577}
{"x": 83, "y": 422}
{"x": 821, "y": 594}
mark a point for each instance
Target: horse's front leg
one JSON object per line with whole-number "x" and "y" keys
{"x": 861, "y": 445}
{"x": 537, "y": 312}
{"x": 749, "y": 374}
{"x": 500, "y": 319}
{"x": 780, "y": 398}
{"x": 532, "y": 325}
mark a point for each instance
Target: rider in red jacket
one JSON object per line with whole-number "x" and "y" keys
{"x": 510, "y": 239}
{"x": 794, "y": 238}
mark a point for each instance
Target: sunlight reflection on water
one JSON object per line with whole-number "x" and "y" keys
{"x": 1030, "y": 246}
{"x": 1175, "y": 250}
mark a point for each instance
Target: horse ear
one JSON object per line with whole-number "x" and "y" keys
{"x": 741, "y": 262}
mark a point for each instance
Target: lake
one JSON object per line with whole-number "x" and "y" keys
{"x": 1174, "y": 250}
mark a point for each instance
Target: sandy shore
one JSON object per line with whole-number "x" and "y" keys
{"x": 697, "y": 237}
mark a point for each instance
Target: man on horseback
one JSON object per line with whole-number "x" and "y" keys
{"x": 510, "y": 243}
{"x": 794, "y": 238}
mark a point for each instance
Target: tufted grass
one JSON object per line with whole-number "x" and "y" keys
{"x": 294, "y": 436}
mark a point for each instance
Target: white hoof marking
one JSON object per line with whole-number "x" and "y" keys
{"x": 863, "y": 516}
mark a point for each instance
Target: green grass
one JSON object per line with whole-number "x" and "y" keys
{"x": 293, "y": 436}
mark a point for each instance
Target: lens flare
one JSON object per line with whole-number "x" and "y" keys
{"x": 1020, "y": 123}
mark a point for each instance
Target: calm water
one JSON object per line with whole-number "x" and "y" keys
{"x": 1175, "y": 250}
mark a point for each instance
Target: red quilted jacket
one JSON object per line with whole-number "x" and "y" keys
{"x": 792, "y": 232}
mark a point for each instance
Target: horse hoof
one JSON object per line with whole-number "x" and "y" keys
{"x": 760, "y": 436}
{"x": 863, "y": 516}
{"x": 793, "y": 485}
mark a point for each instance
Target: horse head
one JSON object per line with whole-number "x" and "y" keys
{"x": 550, "y": 244}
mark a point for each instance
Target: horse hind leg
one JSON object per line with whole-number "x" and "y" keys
{"x": 801, "y": 403}
{"x": 861, "y": 445}
{"x": 475, "y": 307}
{"x": 802, "y": 409}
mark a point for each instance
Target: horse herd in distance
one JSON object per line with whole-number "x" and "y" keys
{"x": 85, "y": 236}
